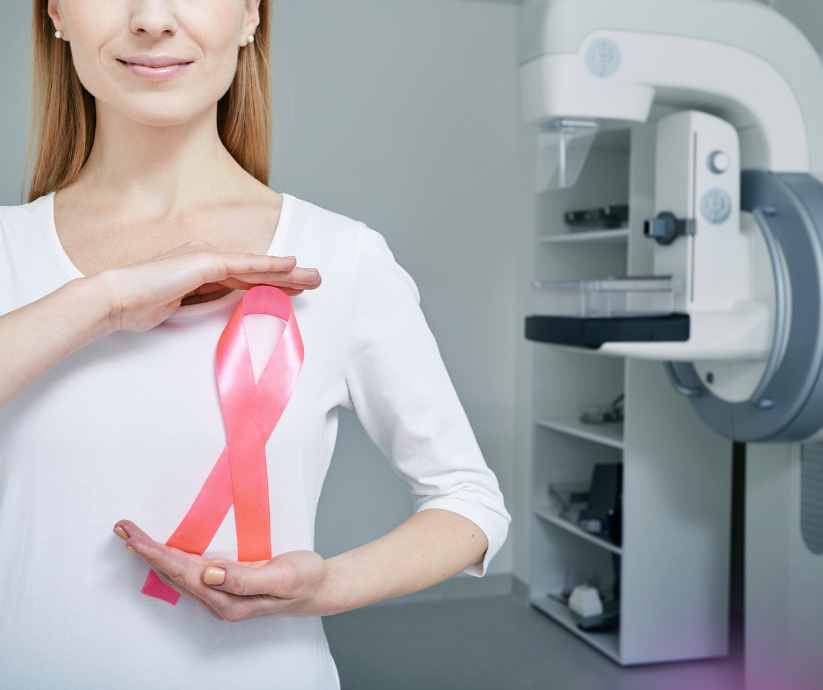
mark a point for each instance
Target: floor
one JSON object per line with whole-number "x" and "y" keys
{"x": 492, "y": 643}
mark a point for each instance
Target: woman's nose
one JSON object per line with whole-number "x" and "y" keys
{"x": 154, "y": 17}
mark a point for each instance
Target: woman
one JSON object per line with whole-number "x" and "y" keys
{"x": 149, "y": 219}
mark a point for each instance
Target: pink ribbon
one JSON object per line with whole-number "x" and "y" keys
{"x": 250, "y": 413}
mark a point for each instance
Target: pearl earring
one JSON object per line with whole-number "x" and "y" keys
{"x": 58, "y": 34}
{"x": 250, "y": 40}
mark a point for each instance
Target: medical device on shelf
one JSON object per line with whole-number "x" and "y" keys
{"x": 734, "y": 307}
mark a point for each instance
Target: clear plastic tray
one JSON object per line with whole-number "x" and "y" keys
{"x": 618, "y": 297}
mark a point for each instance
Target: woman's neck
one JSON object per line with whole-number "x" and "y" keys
{"x": 162, "y": 170}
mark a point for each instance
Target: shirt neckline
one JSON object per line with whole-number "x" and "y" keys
{"x": 185, "y": 311}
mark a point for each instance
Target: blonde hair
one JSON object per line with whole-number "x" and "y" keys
{"x": 64, "y": 114}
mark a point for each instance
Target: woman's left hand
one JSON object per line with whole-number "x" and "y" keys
{"x": 286, "y": 584}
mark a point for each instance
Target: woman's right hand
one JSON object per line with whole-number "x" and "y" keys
{"x": 144, "y": 294}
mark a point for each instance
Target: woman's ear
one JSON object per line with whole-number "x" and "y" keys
{"x": 252, "y": 17}
{"x": 54, "y": 14}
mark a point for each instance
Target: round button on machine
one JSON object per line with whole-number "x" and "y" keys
{"x": 716, "y": 206}
{"x": 718, "y": 162}
{"x": 603, "y": 58}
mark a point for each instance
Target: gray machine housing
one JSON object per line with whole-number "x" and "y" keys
{"x": 788, "y": 404}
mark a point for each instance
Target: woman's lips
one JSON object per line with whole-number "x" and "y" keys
{"x": 156, "y": 73}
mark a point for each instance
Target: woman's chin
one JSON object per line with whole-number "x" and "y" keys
{"x": 162, "y": 116}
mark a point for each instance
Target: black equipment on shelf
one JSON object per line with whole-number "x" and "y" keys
{"x": 603, "y": 218}
{"x": 603, "y": 516}
{"x": 608, "y": 621}
{"x": 614, "y": 413}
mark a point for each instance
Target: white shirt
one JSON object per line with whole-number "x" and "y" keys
{"x": 130, "y": 426}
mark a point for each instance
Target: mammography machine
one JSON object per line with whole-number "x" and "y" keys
{"x": 734, "y": 308}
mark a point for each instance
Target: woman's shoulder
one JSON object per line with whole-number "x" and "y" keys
{"x": 24, "y": 230}
{"x": 362, "y": 252}
{"x": 22, "y": 217}
{"x": 314, "y": 222}
{"x": 25, "y": 251}
{"x": 323, "y": 218}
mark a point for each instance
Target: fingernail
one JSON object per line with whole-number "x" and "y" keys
{"x": 120, "y": 532}
{"x": 129, "y": 547}
{"x": 214, "y": 576}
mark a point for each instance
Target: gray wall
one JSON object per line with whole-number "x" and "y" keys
{"x": 15, "y": 76}
{"x": 403, "y": 114}
{"x": 806, "y": 14}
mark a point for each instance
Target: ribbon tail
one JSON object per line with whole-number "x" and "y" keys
{"x": 155, "y": 587}
{"x": 198, "y": 527}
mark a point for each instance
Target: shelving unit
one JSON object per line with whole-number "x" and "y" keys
{"x": 676, "y": 472}
{"x": 618, "y": 235}
{"x": 607, "y": 434}
{"x": 608, "y": 643}
{"x": 550, "y": 515}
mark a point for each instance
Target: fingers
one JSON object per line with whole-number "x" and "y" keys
{"x": 244, "y": 281}
{"x": 304, "y": 277}
{"x": 287, "y": 576}
{"x": 291, "y": 280}
{"x": 241, "y": 271}
{"x": 249, "y": 264}
{"x": 183, "y": 590}
{"x": 177, "y": 588}
{"x": 184, "y": 572}
{"x": 175, "y": 567}
{"x": 265, "y": 578}
{"x": 239, "y": 263}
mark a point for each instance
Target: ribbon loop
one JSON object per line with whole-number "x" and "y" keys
{"x": 250, "y": 413}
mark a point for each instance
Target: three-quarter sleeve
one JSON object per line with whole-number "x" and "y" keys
{"x": 402, "y": 394}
